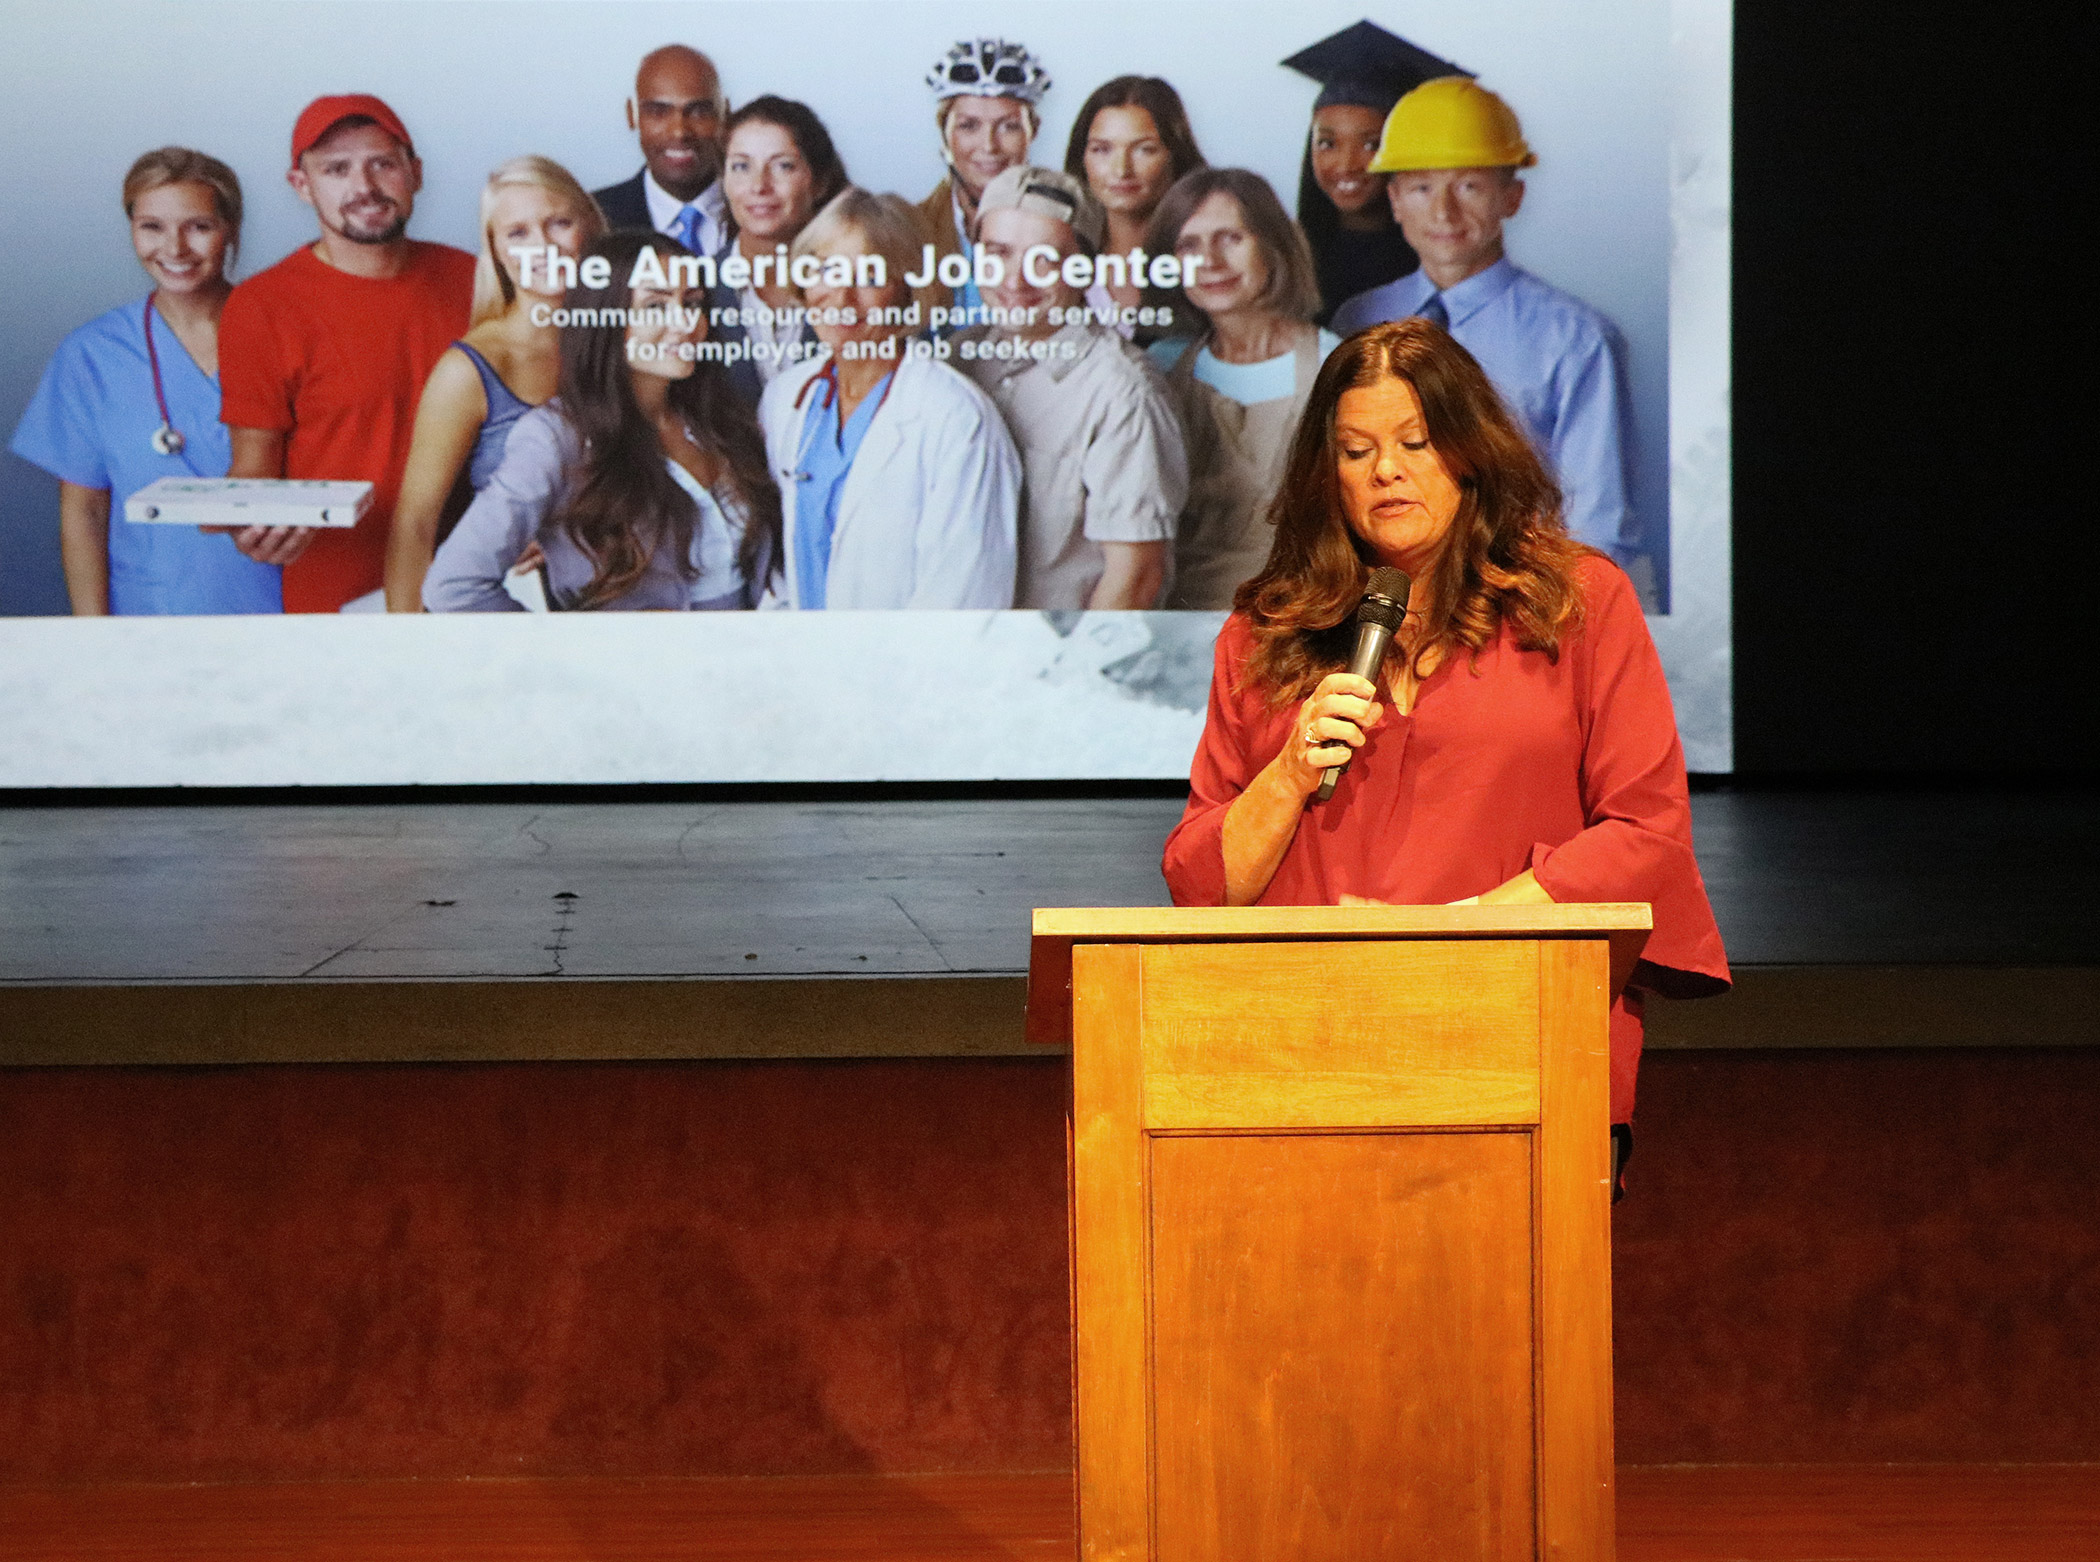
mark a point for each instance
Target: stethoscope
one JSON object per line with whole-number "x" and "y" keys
{"x": 828, "y": 381}
{"x": 167, "y": 439}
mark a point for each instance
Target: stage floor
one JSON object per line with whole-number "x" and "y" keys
{"x": 482, "y": 892}
{"x": 1806, "y": 1513}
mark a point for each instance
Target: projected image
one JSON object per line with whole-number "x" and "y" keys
{"x": 945, "y": 307}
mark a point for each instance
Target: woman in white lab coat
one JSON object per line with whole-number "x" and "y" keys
{"x": 900, "y": 487}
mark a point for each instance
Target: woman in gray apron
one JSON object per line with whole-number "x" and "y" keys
{"x": 1240, "y": 371}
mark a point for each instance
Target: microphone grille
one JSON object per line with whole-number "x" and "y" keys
{"x": 1392, "y": 584}
{"x": 1385, "y": 600}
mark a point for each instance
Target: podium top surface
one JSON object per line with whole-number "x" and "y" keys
{"x": 1195, "y": 924}
{"x": 1056, "y": 929}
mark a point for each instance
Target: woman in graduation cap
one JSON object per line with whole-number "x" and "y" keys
{"x": 1363, "y": 71}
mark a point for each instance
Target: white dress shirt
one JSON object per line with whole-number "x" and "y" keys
{"x": 665, "y": 210}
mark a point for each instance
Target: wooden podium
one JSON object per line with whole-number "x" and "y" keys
{"x": 1341, "y": 1228}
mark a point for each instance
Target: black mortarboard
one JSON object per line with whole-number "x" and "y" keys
{"x": 1364, "y": 64}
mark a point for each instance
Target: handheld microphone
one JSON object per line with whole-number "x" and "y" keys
{"x": 1383, "y": 610}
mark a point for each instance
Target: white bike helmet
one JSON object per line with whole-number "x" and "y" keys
{"x": 989, "y": 68}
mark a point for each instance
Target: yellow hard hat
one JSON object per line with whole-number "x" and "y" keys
{"x": 1451, "y": 122}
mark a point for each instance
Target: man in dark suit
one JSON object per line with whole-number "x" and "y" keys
{"x": 677, "y": 111}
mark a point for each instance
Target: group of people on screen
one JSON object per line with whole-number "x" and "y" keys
{"x": 739, "y": 380}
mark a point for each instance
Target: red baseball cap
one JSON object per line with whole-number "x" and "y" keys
{"x": 324, "y": 114}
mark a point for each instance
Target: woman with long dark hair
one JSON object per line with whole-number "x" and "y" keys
{"x": 779, "y": 169}
{"x": 1363, "y": 70}
{"x": 643, "y": 483}
{"x": 1342, "y": 206}
{"x": 1130, "y": 141}
{"x": 1518, "y": 746}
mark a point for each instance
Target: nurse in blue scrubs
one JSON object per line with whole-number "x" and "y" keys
{"x": 133, "y": 396}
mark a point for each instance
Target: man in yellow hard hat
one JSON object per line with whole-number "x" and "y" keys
{"x": 1452, "y": 151}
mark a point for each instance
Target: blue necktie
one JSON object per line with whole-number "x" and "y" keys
{"x": 687, "y": 229}
{"x": 1433, "y": 309}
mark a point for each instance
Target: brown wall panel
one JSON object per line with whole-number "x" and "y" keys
{"x": 511, "y": 1270}
{"x": 1861, "y": 1256}
{"x": 740, "y": 1267}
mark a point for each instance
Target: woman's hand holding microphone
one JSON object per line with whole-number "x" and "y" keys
{"x": 1331, "y": 726}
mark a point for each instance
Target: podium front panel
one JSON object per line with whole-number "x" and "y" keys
{"x": 1410, "y": 1250}
{"x": 1327, "y": 1036}
{"x": 1341, "y": 1249}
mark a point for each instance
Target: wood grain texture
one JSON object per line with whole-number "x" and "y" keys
{"x": 462, "y": 1022}
{"x": 1683, "y": 1513}
{"x": 1861, "y": 1257}
{"x": 1194, "y": 924}
{"x": 335, "y": 1021}
{"x": 1423, "y": 1098}
{"x": 1286, "y": 1419}
{"x": 641, "y": 1269}
{"x": 1879, "y": 1257}
{"x": 1312, "y": 1035}
{"x": 1860, "y": 1513}
{"x": 1574, "y": 1255}
{"x": 1057, "y": 929}
{"x": 1109, "y": 1256}
{"x": 1342, "y": 1346}
{"x": 922, "y": 1518}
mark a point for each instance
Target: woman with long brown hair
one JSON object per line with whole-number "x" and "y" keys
{"x": 1522, "y": 749}
{"x": 643, "y": 483}
{"x": 779, "y": 169}
{"x": 1130, "y": 141}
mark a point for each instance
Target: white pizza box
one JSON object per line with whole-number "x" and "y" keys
{"x": 249, "y": 501}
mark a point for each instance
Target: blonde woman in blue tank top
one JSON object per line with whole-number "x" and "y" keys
{"x": 504, "y": 366}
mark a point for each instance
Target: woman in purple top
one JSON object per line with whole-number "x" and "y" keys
{"x": 642, "y": 485}
{"x": 504, "y": 366}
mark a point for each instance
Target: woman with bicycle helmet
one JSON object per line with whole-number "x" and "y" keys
{"x": 987, "y": 99}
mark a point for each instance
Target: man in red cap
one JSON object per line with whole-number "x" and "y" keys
{"x": 323, "y": 355}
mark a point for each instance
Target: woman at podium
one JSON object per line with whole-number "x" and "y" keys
{"x": 1518, "y": 746}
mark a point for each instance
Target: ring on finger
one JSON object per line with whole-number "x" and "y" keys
{"x": 1312, "y": 739}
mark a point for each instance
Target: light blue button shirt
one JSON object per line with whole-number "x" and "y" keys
{"x": 1561, "y": 366}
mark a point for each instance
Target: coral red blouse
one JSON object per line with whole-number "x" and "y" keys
{"x": 1508, "y": 761}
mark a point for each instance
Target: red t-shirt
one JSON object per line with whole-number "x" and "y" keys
{"x": 337, "y": 362}
{"x": 1571, "y": 769}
